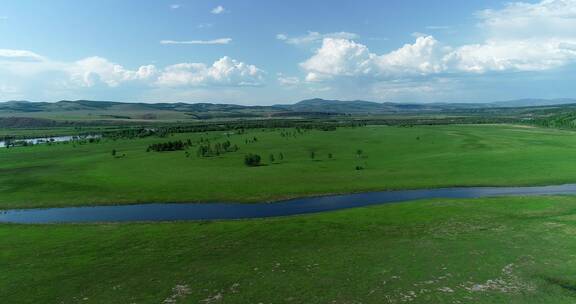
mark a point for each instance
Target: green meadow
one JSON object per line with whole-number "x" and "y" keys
{"x": 500, "y": 250}
{"x": 390, "y": 158}
{"x": 490, "y": 250}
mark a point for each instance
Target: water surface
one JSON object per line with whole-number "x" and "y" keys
{"x": 43, "y": 140}
{"x": 228, "y": 211}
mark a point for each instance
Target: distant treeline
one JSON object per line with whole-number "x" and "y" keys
{"x": 323, "y": 124}
{"x": 168, "y": 146}
{"x": 560, "y": 121}
{"x": 238, "y": 127}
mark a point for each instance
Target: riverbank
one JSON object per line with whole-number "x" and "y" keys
{"x": 497, "y": 250}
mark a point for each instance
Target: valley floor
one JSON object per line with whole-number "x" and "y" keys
{"x": 310, "y": 162}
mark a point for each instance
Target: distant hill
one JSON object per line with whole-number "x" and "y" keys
{"x": 534, "y": 102}
{"x": 139, "y": 111}
{"x": 370, "y": 107}
{"x": 334, "y": 106}
{"x": 110, "y": 110}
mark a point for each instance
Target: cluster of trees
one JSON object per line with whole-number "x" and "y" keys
{"x": 252, "y": 160}
{"x": 251, "y": 140}
{"x": 167, "y": 146}
{"x": 560, "y": 121}
{"x": 140, "y": 132}
{"x": 291, "y": 133}
{"x": 206, "y": 149}
{"x": 273, "y": 158}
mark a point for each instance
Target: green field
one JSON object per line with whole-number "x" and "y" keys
{"x": 492, "y": 250}
{"x": 502, "y": 250}
{"x": 392, "y": 158}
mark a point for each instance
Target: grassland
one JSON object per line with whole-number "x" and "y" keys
{"x": 501, "y": 250}
{"x": 392, "y": 158}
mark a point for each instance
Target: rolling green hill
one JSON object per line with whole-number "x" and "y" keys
{"x": 89, "y": 110}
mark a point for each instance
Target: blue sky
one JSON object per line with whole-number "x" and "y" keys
{"x": 268, "y": 52}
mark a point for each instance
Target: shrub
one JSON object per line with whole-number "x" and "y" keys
{"x": 252, "y": 160}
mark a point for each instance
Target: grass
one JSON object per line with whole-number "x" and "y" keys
{"x": 393, "y": 158}
{"x": 499, "y": 250}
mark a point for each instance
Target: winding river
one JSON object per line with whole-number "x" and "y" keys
{"x": 230, "y": 211}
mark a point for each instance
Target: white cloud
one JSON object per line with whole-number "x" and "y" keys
{"x": 424, "y": 56}
{"x": 522, "y": 20}
{"x": 204, "y": 25}
{"x": 288, "y": 81}
{"x": 21, "y": 66}
{"x": 90, "y": 71}
{"x": 519, "y": 55}
{"x": 437, "y": 27}
{"x": 523, "y": 36}
{"x": 175, "y": 6}
{"x": 218, "y": 10}
{"x": 312, "y": 37}
{"x": 19, "y": 55}
{"x": 339, "y": 57}
{"x": 223, "y": 72}
{"x": 214, "y": 41}
{"x": 520, "y": 37}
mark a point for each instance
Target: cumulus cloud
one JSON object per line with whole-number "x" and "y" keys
{"x": 175, "y": 6}
{"x": 520, "y": 37}
{"x": 522, "y": 20}
{"x": 224, "y": 72}
{"x": 22, "y": 65}
{"x": 339, "y": 57}
{"x": 205, "y": 42}
{"x": 218, "y": 10}
{"x": 89, "y": 71}
{"x": 312, "y": 37}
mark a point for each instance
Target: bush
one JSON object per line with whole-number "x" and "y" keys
{"x": 252, "y": 160}
{"x": 167, "y": 146}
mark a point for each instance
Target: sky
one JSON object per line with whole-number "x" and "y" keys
{"x": 261, "y": 52}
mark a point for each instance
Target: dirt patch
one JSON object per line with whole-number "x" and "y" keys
{"x": 508, "y": 282}
{"x": 178, "y": 292}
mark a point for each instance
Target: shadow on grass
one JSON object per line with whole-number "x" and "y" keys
{"x": 562, "y": 283}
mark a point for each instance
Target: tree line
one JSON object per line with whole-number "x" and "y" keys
{"x": 168, "y": 146}
{"x": 207, "y": 149}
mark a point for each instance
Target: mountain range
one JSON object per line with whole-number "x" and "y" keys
{"x": 110, "y": 110}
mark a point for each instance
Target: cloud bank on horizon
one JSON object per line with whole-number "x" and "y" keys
{"x": 508, "y": 50}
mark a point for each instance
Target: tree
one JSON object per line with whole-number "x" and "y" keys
{"x": 281, "y": 156}
{"x": 312, "y": 154}
{"x": 359, "y": 153}
{"x": 330, "y": 155}
{"x": 252, "y": 160}
{"x": 272, "y": 158}
{"x": 114, "y": 152}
